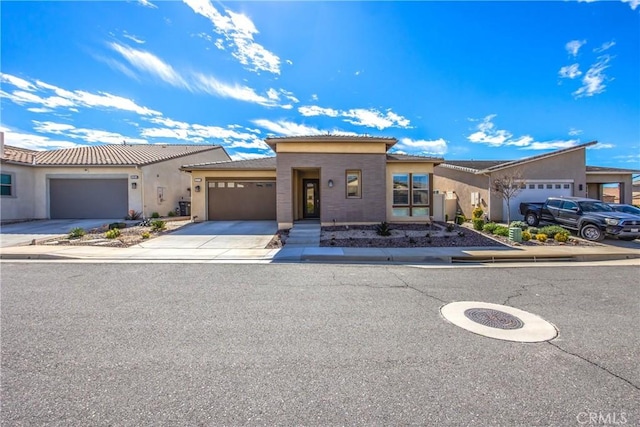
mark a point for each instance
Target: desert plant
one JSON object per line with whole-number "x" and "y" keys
{"x": 526, "y": 236}
{"x": 561, "y": 237}
{"x": 383, "y": 229}
{"x": 533, "y": 230}
{"x": 477, "y": 212}
{"x": 171, "y": 213}
{"x": 117, "y": 225}
{"x": 552, "y": 230}
{"x": 478, "y": 223}
{"x": 518, "y": 224}
{"x": 145, "y": 235}
{"x": 450, "y": 227}
{"x": 76, "y": 232}
{"x": 501, "y": 230}
{"x": 158, "y": 225}
{"x": 460, "y": 219}
{"x": 541, "y": 237}
{"x": 155, "y": 215}
{"x": 113, "y": 233}
{"x": 489, "y": 227}
{"x": 133, "y": 215}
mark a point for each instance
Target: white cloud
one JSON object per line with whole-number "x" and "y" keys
{"x": 593, "y": 81}
{"x": 575, "y": 132}
{"x": 437, "y": 147}
{"x": 605, "y": 46}
{"x": 283, "y": 127}
{"x": 133, "y": 38}
{"x": 600, "y": 146}
{"x": 359, "y": 116}
{"x": 632, "y": 3}
{"x": 574, "y": 46}
{"x": 246, "y": 156}
{"x": 314, "y": 96}
{"x": 487, "y": 133}
{"x": 32, "y": 141}
{"x": 150, "y": 64}
{"x": 238, "y": 30}
{"x": 213, "y": 86}
{"x": 147, "y": 3}
{"x": 52, "y": 97}
{"x": 41, "y": 110}
{"x": 570, "y": 72}
{"x": 17, "y": 82}
{"x": 90, "y": 136}
{"x": 290, "y": 62}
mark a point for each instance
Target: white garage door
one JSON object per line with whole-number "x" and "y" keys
{"x": 536, "y": 192}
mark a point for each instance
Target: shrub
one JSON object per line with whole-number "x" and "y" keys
{"x": 552, "y": 230}
{"x": 460, "y": 219}
{"x": 158, "y": 225}
{"x": 383, "y": 229}
{"x": 450, "y": 227}
{"x": 478, "y": 224}
{"x": 518, "y": 224}
{"x": 526, "y": 236}
{"x": 541, "y": 237}
{"x": 155, "y": 215}
{"x": 171, "y": 213}
{"x": 501, "y": 230}
{"x": 489, "y": 227}
{"x": 533, "y": 230}
{"x": 113, "y": 233}
{"x": 477, "y": 212}
{"x": 561, "y": 237}
{"x": 145, "y": 234}
{"x": 117, "y": 225}
{"x": 133, "y": 215}
{"x": 76, "y": 232}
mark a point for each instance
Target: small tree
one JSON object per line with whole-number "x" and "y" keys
{"x": 507, "y": 185}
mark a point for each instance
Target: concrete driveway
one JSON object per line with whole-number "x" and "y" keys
{"x": 217, "y": 235}
{"x": 24, "y": 232}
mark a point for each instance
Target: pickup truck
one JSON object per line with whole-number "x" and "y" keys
{"x": 590, "y": 218}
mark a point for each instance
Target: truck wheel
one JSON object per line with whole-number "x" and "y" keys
{"x": 531, "y": 219}
{"x": 592, "y": 233}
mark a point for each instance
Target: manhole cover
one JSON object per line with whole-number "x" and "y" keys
{"x": 498, "y": 321}
{"x": 494, "y": 318}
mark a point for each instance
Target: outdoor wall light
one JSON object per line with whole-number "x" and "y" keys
{"x": 134, "y": 185}
{"x": 330, "y": 183}
{"x": 197, "y": 188}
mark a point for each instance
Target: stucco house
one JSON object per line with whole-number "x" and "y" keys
{"x": 467, "y": 183}
{"x": 104, "y": 181}
{"x": 334, "y": 179}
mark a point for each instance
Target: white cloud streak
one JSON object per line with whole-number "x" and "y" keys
{"x": 147, "y": 3}
{"x": 593, "y": 81}
{"x": 150, "y": 64}
{"x": 633, "y": 4}
{"x": 570, "y": 71}
{"x": 32, "y": 141}
{"x": 359, "y": 116}
{"x": 574, "y": 46}
{"x": 238, "y": 32}
{"x": 437, "y": 147}
{"x": 89, "y": 136}
{"x": 605, "y": 46}
{"x": 286, "y": 128}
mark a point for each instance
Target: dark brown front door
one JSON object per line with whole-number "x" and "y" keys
{"x": 311, "y": 198}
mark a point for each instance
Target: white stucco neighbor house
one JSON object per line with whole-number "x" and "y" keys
{"x": 104, "y": 181}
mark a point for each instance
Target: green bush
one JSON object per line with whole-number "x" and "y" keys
{"x": 171, "y": 213}
{"x": 552, "y": 230}
{"x": 489, "y": 227}
{"x": 76, "y": 232}
{"x": 501, "y": 230}
{"x": 526, "y": 236}
{"x": 533, "y": 230}
{"x": 478, "y": 224}
{"x": 383, "y": 229}
{"x": 477, "y": 212}
{"x": 518, "y": 224}
{"x": 158, "y": 225}
{"x": 155, "y": 215}
{"x": 460, "y": 219}
{"x": 113, "y": 233}
{"x": 541, "y": 237}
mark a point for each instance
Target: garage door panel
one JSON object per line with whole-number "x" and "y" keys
{"x": 242, "y": 201}
{"x": 88, "y": 198}
{"x": 536, "y": 192}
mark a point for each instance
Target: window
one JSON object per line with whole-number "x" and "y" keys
{"x": 532, "y": 186}
{"x": 411, "y": 194}
{"x": 540, "y": 186}
{"x": 549, "y": 186}
{"x": 567, "y": 186}
{"x": 558, "y": 186}
{"x": 555, "y": 203}
{"x": 6, "y": 185}
{"x": 354, "y": 184}
{"x": 569, "y": 205}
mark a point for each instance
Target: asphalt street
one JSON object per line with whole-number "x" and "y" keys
{"x": 311, "y": 344}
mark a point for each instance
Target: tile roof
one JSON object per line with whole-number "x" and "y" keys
{"x": 600, "y": 169}
{"x": 118, "y": 155}
{"x": 273, "y": 140}
{"x": 412, "y": 158}
{"x": 263, "y": 163}
{"x": 18, "y": 155}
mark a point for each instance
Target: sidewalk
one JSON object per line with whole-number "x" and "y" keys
{"x": 443, "y": 255}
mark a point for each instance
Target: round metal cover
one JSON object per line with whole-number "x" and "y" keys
{"x": 498, "y": 321}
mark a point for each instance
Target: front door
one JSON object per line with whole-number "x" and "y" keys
{"x": 311, "y": 198}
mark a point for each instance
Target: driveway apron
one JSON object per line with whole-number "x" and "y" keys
{"x": 23, "y": 233}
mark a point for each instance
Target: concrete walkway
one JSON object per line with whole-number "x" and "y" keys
{"x": 304, "y": 234}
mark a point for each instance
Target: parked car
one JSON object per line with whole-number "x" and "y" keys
{"x": 590, "y": 218}
{"x": 630, "y": 209}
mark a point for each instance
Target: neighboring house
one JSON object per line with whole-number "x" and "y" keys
{"x": 613, "y": 185}
{"x": 104, "y": 181}
{"x": 467, "y": 183}
{"x": 330, "y": 178}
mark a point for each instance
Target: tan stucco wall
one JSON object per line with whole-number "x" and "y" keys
{"x": 199, "y": 199}
{"x": 334, "y": 205}
{"x": 332, "y": 147}
{"x": 462, "y": 184}
{"x": 21, "y": 204}
{"x": 406, "y": 167}
{"x": 625, "y": 181}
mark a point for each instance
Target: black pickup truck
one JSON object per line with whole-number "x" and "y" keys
{"x": 591, "y": 218}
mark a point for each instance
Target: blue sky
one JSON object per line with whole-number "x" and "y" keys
{"x": 459, "y": 80}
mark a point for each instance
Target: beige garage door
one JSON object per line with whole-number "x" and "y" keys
{"x": 242, "y": 200}
{"x": 88, "y": 198}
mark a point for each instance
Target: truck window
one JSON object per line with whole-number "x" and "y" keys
{"x": 554, "y": 203}
{"x": 569, "y": 205}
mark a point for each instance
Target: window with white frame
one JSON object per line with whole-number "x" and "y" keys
{"x": 354, "y": 184}
{"x": 411, "y": 194}
{"x": 6, "y": 184}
